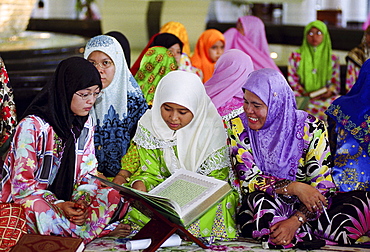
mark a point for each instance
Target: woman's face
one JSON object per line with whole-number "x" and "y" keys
{"x": 176, "y": 51}
{"x": 84, "y": 99}
{"x": 105, "y": 66}
{"x": 255, "y": 109}
{"x": 216, "y": 50}
{"x": 176, "y": 116}
{"x": 314, "y": 37}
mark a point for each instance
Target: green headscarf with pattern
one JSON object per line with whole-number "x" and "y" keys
{"x": 315, "y": 68}
{"x": 156, "y": 63}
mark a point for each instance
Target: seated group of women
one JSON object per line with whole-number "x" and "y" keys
{"x": 240, "y": 126}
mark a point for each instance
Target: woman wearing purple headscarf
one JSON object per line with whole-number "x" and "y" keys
{"x": 249, "y": 36}
{"x": 225, "y": 90}
{"x": 289, "y": 195}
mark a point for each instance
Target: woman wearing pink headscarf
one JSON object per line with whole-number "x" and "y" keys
{"x": 249, "y": 36}
{"x": 225, "y": 90}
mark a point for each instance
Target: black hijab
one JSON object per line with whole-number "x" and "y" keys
{"x": 124, "y": 44}
{"x": 53, "y": 104}
{"x": 166, "y": 40}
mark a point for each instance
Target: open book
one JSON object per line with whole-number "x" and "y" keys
{"x": 182, "y": 198}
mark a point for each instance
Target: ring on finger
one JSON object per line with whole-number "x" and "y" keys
{"x": 314, "y": 206}
{"x": 284, "y": 241}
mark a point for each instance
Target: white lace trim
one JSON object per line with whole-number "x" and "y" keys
{"x": 218, "y": 160}
{"x": 146, "y": 140}
{"x": 233, "y": 114}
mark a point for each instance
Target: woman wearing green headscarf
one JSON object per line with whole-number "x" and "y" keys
{"x": 314, "y": 71}
{"x": 156, "y": 63}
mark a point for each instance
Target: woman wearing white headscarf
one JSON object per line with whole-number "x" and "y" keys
{"x": 118, "y": 111}
{"x": 183, "y": 130}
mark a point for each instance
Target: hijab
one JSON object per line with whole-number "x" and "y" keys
{"x": 315, "y": 68}
{"x": 352, "y": 111}
{"x": 156, "y": 63}
{"x": 179, "y": 31}
{"x": 166, "y": 40}
{"x": 253, "y": 42}
{"x": 201, "y": 58}
{"x": 204, "y": 135}
{"x": 225, "y": 85}
{"x": 278, "y": 145}
{"x": 360, "y": 53}
{"x": 125, "y": 44}
{"x": 119, "y": 109}
{"x": 53, "y": 104}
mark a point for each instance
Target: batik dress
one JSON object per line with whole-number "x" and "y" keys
{"x": 36, "y": 162}
{"x": 262, "y": 207}
{"x": 219, "y": 221}
{"x": 315, "y": 107}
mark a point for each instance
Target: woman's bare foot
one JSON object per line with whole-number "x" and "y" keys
{"x": 122, "y": 230}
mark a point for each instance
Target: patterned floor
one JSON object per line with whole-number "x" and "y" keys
{"x": 245, "y": 245}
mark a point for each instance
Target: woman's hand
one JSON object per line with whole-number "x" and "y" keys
{"x": 76, "y": 212}
{"x": 308, "y": 195}
{"x": 122, "y": 177}
{"x": 139, "y": 185}
{"x": 282, "y": 233}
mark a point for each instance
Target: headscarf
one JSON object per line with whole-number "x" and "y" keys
{"x": 156, "y": 63}
{"x": 119, "y": 109}
{"x": 201, "y": 58}
{"x": 125, "y": 44}
{"x": 179, "y": 31}
{"x": 315, "y": 68}
{"x": 225, "y": 85}
{"x": 278, "y": 145}
{"x": 166, "y": 40}
{"x": 203, "y": 136}
{"x": 360, "y": 53}
{"x": 53, "y": 104}
{"x": 253, "y": 42}
{"x": 352, "y": 111}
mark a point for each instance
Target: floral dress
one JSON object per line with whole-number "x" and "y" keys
{"x": 32, "y": 165}
{"x": 315, "y": 107}
{"x": 262, "y": 207}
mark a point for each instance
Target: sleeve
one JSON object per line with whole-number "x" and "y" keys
{"x": 131, "y": 160}
{"x": 8, "y": 112}
{"x": 334, "y": 84}
{"x": 293, "y": 77}
{"x": 153, "y": 169}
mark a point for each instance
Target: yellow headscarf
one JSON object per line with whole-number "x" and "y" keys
{"x": 179, "y": 31}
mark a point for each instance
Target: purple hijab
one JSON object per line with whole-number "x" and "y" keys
{"x": 225, "y": 85}
{"x": 278, "y": 145}
{"x": 253, "y": 43}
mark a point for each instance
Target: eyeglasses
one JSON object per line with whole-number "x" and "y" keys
{"x": 104, "y": 65}
{"x": 314, "y": 33}
{"x": 87, "y": 95}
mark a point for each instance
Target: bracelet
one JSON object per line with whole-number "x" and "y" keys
{"x": 309, "y": 215}
{"x": 127, "y": 178}
{"x": 300, "y": 218}
{"x": 283, "y": 185}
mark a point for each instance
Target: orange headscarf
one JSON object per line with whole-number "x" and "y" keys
{"x": 201, "y": 57}
{"x": 179, "y": 31}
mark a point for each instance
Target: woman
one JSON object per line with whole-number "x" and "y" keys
{"x": 179, "y": 30}
{"x": 52, "y": 154}
{"x": 156, "y": 63}
{"x": 116, "y": 114}
{"x": 289, "y": 193}
{"x": 249, "y": 36}
{"x": 349, "y": 129}
{"x": 184, "y": 131}
{"x": 125, "y": 44}
{"x": 355, "y": 58}
{"x": 225, "y": 88}
{"x": 210, "y": 46}
{"x": 313, "y": 70}
{"x": 8, "y": 111}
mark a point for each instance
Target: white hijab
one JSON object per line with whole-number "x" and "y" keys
{"x": 203, "y": 136}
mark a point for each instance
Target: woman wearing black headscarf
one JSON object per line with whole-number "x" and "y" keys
{"x": 52, "y": 154}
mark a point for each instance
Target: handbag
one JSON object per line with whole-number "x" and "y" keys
{"x": 12, "y": 224}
